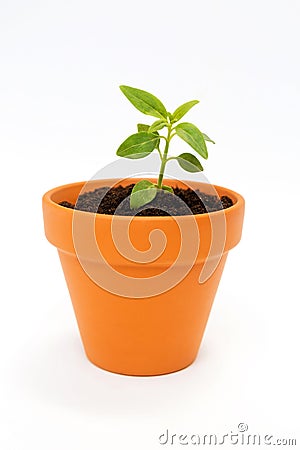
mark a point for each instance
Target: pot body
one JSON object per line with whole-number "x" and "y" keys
{"x": 139, "y": 299}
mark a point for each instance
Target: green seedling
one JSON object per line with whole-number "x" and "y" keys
{"x": 148, "y": 138}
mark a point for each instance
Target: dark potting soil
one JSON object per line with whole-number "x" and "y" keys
{"x": 115, "y": 200}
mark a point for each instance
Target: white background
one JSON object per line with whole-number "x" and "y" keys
{"x": 62, "y": 117}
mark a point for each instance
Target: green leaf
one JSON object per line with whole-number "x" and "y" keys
{"x": 167, "y": 188}
{"x": 138, "y": 145}
{"x": 142, "y": 127}
{"x": 142, "y": 193}
{"x": 145, "y": 102}
{"x": 193, "y": 136}
{"x": 207, "y": 138}
{"x": 189, "y": 162}
{"x": 157, "y": 125}
{"x": 183, "y": 109}
{"x": 170, "y": 116}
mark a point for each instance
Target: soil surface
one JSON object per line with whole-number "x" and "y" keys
{"x": 115, "y": 200}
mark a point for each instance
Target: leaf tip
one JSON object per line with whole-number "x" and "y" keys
{"x": 123, "y": 88}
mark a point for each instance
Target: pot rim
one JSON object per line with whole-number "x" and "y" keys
{"x": 236, "y": 198}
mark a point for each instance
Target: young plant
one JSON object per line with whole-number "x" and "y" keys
{"x": 147, "y": 139}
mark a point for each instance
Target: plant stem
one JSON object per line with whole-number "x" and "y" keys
{"x": 164, "y": 158}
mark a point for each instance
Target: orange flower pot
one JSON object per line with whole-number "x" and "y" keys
{"x": 142, "y": 287}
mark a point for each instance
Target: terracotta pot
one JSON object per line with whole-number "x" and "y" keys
{"x": 141, "y": 311}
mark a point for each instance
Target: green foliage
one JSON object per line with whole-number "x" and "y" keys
{"x": 182, "y": 110}
{"x": 158, "y": 125}
{"x": 167, "y": 188}
{"x": 145, "y": 102}
{"x": 138, "y": 145}
{"x": 142, "y": 127}
{"x": 189, "y": 162}
{"x": 207, "y": 138}
{"x": 142, "y": 193}
{"x": 147, "y": 139}
{"x": 192, "y": 136}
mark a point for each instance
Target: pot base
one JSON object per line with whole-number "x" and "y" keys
{"x": 142, "y": 374}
